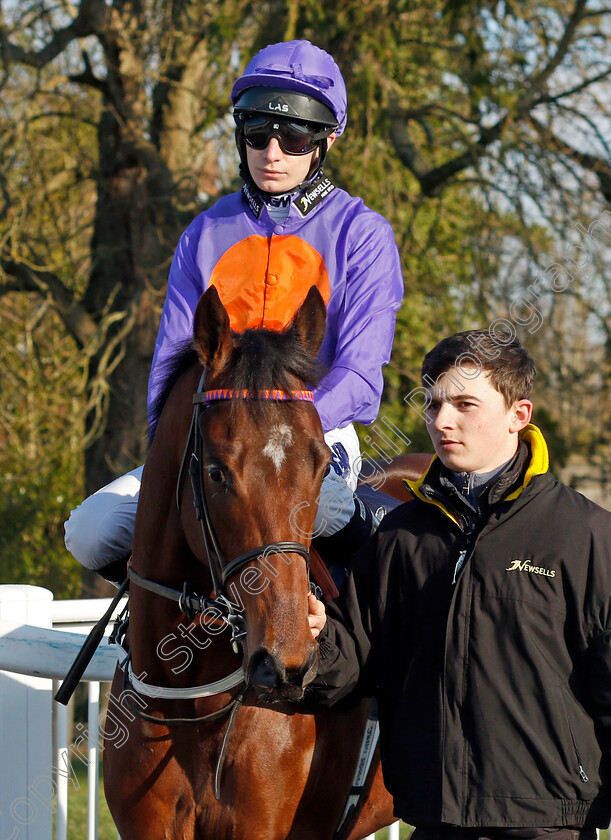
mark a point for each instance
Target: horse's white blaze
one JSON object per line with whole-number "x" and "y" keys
{"x": 281, "y": 437}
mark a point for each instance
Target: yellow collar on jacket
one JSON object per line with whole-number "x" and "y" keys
{"x": 539, "y": 464}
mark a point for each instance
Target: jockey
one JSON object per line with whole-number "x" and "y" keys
{"x": 263, "y": 247}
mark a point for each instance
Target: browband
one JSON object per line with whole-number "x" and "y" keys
{"x": 206, "y": 397}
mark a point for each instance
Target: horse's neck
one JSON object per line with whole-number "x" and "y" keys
{"x": 165, "y": 644}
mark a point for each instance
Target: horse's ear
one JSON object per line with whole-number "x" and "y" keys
{"x": 310, "y": 321}
{"x": 211, "y": 331}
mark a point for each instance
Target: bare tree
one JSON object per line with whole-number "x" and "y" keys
{"x": 157, "y": 76}
{"x": 479, "y": 129}
{"x": 141, "y": 87}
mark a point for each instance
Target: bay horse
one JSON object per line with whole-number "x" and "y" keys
{"x": 208, "y": 734}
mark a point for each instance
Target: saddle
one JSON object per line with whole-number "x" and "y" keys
{"x": 325, "y": 571}
{"x": 321, "y": 577}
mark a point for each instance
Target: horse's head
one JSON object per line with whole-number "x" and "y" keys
{"x": 262, "y": 464}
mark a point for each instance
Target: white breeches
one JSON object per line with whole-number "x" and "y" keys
{"x": 99, "y": 531}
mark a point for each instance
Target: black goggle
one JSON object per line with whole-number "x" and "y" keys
{"x": 294, "y": 138}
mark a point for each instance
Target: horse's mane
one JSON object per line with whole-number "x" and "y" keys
{"x": 270, "y": 359}
{"x": 261, "y": 359}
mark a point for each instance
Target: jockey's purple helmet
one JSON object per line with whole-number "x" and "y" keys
{"x": 300, "y": 67}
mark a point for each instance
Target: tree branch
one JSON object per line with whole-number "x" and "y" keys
{"x": 556, "y": 97}
{"x": 537, "y": 82}
{"x": 592, "y": 163}
{"x": 604, "y": 142}
{"x": 87, "y": 76}
{"x": 60, "y": 40}
{"x": 77, "y": 320}
{"x": 88, "y": 21}
{"x": 431, "y": 180}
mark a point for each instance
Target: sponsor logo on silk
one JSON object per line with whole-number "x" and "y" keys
{"x": 314, "y": 194}
{"x": 254, "y": 202}
{"x": 526, "y": 566}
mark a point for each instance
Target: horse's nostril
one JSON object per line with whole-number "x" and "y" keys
{"x": 265, "y": 671}
{"x": 273, "y": 682}
{"x": 266, "y": 675}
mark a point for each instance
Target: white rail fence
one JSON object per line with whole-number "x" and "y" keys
{"x": 39, "y": 755}
{"x": 37, "y": 749}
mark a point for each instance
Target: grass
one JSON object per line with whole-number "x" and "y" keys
{"x": 404, "y": 832}
{"x": 77, "y": 814}
{"x": 77, "y": 809}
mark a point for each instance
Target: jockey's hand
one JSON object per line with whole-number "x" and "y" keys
{"x": 317, "y": 617}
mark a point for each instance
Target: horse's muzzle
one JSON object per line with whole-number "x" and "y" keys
{"x": 273, "y": 682}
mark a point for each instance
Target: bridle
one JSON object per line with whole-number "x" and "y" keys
{"x": 190, "y": 603}
{"x": 220, "y": 569}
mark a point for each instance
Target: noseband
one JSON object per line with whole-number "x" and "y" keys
{"x": 220, "y": 568}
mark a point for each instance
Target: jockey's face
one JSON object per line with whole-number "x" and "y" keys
{"x": 274, "y": 171}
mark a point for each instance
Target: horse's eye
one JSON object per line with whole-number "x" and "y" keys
{"x": 216, "y": 474}
{"x": 327, "y": 470}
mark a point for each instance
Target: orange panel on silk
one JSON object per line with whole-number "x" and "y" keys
{"x": 263, "y": 282}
